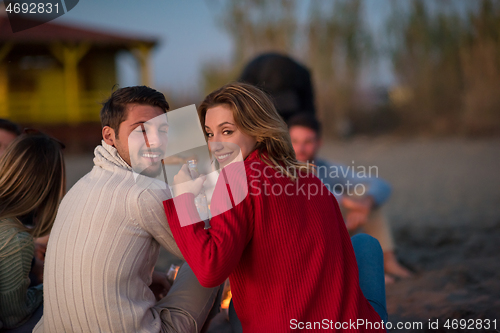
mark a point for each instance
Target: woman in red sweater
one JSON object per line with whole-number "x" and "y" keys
{"x": 276, "y": 230}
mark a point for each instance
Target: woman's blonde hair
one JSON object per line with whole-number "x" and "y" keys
{"x": 32, "y": 182}
{"x": 255, "y": 115}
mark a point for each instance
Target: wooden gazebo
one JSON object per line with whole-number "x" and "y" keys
{"x": 58, "y": 74}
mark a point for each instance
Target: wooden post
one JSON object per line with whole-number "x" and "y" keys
{"x": 70, "y": 56}
{"x": 5, "y": 48}
{"x": 142, "y": 53}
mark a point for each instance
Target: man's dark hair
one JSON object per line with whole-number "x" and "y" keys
{"x": 114, "y": 110}
{"x": 285, "y": 80}
{"x": 9, "y": 126}
{"x": 306, "y": 120}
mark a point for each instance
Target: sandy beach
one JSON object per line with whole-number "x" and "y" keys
{"x": 445, "y": 214}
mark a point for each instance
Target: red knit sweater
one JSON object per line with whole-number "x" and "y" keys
{"x": 288, "y": 256}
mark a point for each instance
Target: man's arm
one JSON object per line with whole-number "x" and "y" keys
{"x": 378, "y": 189}
{"x": 154, "y": 221}
{"x": 348, "y": 177}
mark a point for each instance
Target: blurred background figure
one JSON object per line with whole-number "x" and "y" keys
{"x": 361, "y": 208}
{"x": 8, "y": 132}
{"x": 32, "y": 183}
{"x": 287, "y": 81}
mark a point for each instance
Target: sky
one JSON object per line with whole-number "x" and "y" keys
{"x": 190, "y": 35}
{"x": 187, "y": 32}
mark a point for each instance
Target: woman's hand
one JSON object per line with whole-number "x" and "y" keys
{"x": 183, "y": 183}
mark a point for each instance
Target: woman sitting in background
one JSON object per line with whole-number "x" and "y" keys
{"x": 32, "y": 183}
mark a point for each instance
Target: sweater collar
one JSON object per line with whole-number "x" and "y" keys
{"x": 257, "y": 154}
{"x": 107, "y": 157}
{"x": 253, "y": 155}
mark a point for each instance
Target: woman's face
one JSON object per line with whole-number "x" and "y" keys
{"x": 225, "y": 139}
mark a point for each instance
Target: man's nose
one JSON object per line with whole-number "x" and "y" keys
{"x": 155, "y": 138}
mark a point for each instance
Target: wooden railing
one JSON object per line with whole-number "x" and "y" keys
{"x": 36, "y": 108}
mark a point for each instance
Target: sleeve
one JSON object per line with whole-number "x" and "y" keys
{"x": 347, "y": 178}
{"x": 17, "y": 301}
{"x": 214, "y": 253}
{"x": 379, "y": 189}
{"x": 330, "y": 177}
{"x": 154, "y": 221}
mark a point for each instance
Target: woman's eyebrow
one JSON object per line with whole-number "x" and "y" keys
{"x": 224, "y": 123}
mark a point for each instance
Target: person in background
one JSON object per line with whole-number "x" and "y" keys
{"x": 8, "y": 132}
{"x": 286, "y": 80}
{"x": 32, "y": 183}
{"x": 361, "y": 208}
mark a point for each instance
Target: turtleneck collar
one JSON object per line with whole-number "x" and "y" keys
{"x": 107, "y": 157}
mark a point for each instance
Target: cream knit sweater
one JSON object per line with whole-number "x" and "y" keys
{"x": 102, "y": 251}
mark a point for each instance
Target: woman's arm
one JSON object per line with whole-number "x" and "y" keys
{"x": 214, "y": 253}
{"x": 17, "y": 301}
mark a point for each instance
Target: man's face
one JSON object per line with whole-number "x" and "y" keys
{"x": 6, "y": 138}
{"x": 142, "y": 138}
{"x": 305, "y": 143}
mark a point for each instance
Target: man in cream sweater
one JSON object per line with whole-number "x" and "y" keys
{"x": 105, "y": 242}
